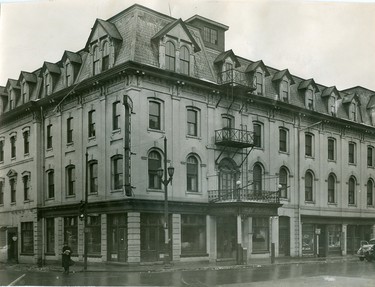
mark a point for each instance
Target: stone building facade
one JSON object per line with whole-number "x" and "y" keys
{"x": 261, "y": 157}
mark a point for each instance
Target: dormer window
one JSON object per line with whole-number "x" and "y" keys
{"x": 259, "y": 82}
{"x": 12, "y": 100}
{"x": 284, "y": 91}
{"x": 309, "y": 99}
{"x": 96, "y": 61}
{"x": 210, "y": 35}
{"x": 184, "y": 60}
{"x": 353, "y": 111}
{"x": 332, "y": 105}
{"x": 282, "y": 81}
{"x": 170, "y": 56}
{"x": 68, "y": 74}
{"x": 25, "y": 92}
{"x": 48, "y": 83}
{"x": 105, "y": 56}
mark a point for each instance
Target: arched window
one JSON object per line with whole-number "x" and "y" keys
{"x": 93, "y": 176}
{"x": 170, "y": 56}
{"x": 105, "y": 56}
{"x": 370, "y": 193}
{"x": 227, "y": 175}
{"x": 154, "y": 163}
{"x": 192, "y": 173}
{"x": 51, "y": 183}
{"x": 308, "y": 186}
{"x": 70, "y": 180}
{"x": 117, "y": 169}
{"x": 95, "y": 55}
{"x": 26, "y": 186}
{"x": 331, "y": 188}
{"x": 257, "y": 179}
{"x": 184, "y": 60}
{"x": 283, "y": 181}
{"x": 351, "y": 190}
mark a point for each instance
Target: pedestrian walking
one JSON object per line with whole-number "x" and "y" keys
{"x": 66, "y": 251}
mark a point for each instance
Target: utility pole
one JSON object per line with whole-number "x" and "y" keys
{"x": 85, "y": 216}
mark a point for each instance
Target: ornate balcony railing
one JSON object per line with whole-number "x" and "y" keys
{"x": 243, "y": 195}
{"x": 235, "y": 78}
{"x": 234, "y": 138}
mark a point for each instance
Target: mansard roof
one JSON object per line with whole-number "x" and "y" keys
{"x": 304, "y": 84}
{"x": 73, "y": 57}
{"x": 222, "y": 56}
{"x": 52, "y": 68}
{"x": 198, "y": 17}
{"x": 108, "y": 27}
{"x": 371, "y": 103}
{"x": 328, "y": 91}
{"x": 253, "y": 66}
{"x": 280, "y": 74}
{"x": 29, "y": 77}
{"x": 170, "y": 26}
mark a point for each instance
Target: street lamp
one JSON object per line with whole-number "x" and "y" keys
{"x": 168, "y": 175}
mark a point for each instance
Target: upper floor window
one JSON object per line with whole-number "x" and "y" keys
{"x": 309, "y": 180}
{"x": 310, "y": 101}
{"x": 71, "y": 180}
{"x": 192, "y": 174}
{"x": 352, "y": 153}
{"x": 69, "y": 130}
{"x": 283, "y": 140}
{"x": 351, "y": 190}
{"x": 309, "y": 144}
{"x": 51, "y": 183}
{"x": 91, "y": 123}
{"x": 105, "y": 56}
{"x": 228, "y": 121}
{"x": 49, "y": 136}
{"x": 117, "y": 174}
{"x": 170, "y": 56}
{"x": 154, "y": 117}
{"x": 12, "y": 184}
{"x": 1, "y": 191}
{"x": 332, "y": 105}
{"x": 25, "y": 92}
{"x": 331, "y": 188}
{"x": 370, "y": 193}
{"x": 115, "y": 115}
{"x": 257, "y": 135}
{"x": 192, "y": 122}
{"x": 370, "y": 156}
{"x": 259, "y": 82}
{"x": 353, "y": 111}
{"x": 154, "y": 163}
{"x": 26, "y": 142}
{"x": 96, "y": 60}
{"x": 68, "y": 74}
{"x": 184, "y": 60}
{"x": 283, "y": 182}
{"x": 1, "y": 150}
{"x": 26, "y": 187}
{"x": 331, "y": 149}
{"x": 284, "y": 91}
{"x": 13, "y": 146}
{"x": 48, "y": 84}
{"x": 93, "y": 176}
{"x": 210, "y": 35}
{"x": 257, "y": 179}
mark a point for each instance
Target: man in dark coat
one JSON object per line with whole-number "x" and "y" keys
{"x": 66, "y": 251}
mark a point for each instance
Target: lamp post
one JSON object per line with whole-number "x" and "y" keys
{"x": 165, "y": 181}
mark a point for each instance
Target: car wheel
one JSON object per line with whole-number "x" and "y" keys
{"x": 361, "y": 258}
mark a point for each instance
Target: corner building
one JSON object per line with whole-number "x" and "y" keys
{"x": 262, "y": 158}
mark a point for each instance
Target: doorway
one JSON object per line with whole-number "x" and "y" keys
{"x": 152, "y": 237}
{"x": 226, "y": 235}
{"x": 284, "y": 236}
{"x": 13, "y": 245}
{"x": 117, "y": 237}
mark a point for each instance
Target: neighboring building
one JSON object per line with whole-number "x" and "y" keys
{"x": 260, "y": 156}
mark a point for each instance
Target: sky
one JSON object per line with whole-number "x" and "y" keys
{"x": 332, "y": 42}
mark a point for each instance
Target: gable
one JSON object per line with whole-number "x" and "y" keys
{"x": 101, "y": 29}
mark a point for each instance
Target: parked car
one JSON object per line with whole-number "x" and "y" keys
{"x": 366, "y": 250}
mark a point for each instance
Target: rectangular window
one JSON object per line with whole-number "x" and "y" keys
{"x": 193, "y": 234}
{"x": 69, "y": 130}
{"x": 48, "y": 84}
{"x": 308, "y": 145}
{"x": 210, "y": 35}
{"x": 71, "y": 180}
{"x": 257, "y": 135}
{"x": 12, "y": 183}
{"x": 1, "y": 151}
{"x": 50, "y": 235}
{"x": 27, "y": 238}
{"x": 283, "y": 134}
{"x": 93, "y": 235}
{"x": 93, "y": 170}
{"x": 154, "y": 116}
{"x": 1, "y": 192}
{"x": 26, "y": 142}
{"x": 26, "y": 187}
{"x": 310, "y": 99}
{"x": 117, "y": 173}
{"x": 49, "y": 136}
{"x": 115, "y": 116}
{"x": 105, "y": 63}
{"x": 351, "y": 153}
{"x": 259, "y": 80}
{"x": 71, "y": 232}
{"x": 192, "y": 122}
{"x": 25, "y": 97}
{"x": 91, "y": 123}
{"x": 260, "y": 234}
{"x": 331, "y": 149}
{"x": 370, "y": 156}
{"x": 284, "y": 91}
{"x": 13, "y": 147}
{"x": 51, "y": 184}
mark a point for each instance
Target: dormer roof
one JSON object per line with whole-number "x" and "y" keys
{"x": 3, "y": 91}
{"x": 349, "y": 99}
{"x": 253, "y": 66}
{"x": 29, "y": 77}
{"x": 13, "y": 84}
{"x": 328, "y": 91}
{"x": 222, "y": 56}
{"x": 371, "y": 102}
{"x": 73, "y": 57}
{"x": 217, "y": 24}
{"x": 108, "y": 28}
{"x": 304, "y": 85}
{"x": 167, "y": 28}
{"x": 50, "y": 67}
{"x": 280, "y": 74}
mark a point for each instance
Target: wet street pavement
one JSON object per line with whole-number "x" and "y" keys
{"x": 354, "y": 274}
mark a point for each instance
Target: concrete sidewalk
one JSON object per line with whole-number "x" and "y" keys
{"x": 176, "y": 266}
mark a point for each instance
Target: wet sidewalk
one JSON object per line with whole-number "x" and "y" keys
{"x": 175, "y": 266}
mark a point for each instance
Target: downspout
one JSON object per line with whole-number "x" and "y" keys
{"x": 127, "y": 188}
{"x": 42, "y": 154}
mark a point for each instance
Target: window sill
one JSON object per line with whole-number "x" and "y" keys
{"x": 70, "y": 196}
{"x": 283, "y": 152}
{"x": 93, "y": 193}
{"x": 193, "y": 137}
{"x": 194, "y": 192}
{"x": 155, "y": 130}
{"x": 309, "y": 156}
{"x": 116, "y": 131}
{"x": 352, "y": 163}
{"x": 13, "y": 203}
{"x": 92, "y": 138}
{"x": 12, "y": 158}
{"x": 50, "y": 199}
{"x": 93, "y": 255}
{"x": 332, "y": 160}
{"x": 370, "y": 206}
{"x": 116, "y": 190}
{"x": 258, "y": 147}
{"x": 310, "y": 202}
{"x": 332, "y": 203}
{"x": 70, "y": 144}
{"x": 285, "y": 199}
{"x": 352, "y": 205}
{"x": 49, "y": 149}
{"x": 27, "y": 254}
{"x": 26, "y": 154}
{"x": 28, "y": 201}
{"x": 154, "y": 190}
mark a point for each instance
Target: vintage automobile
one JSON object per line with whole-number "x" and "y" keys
{"x": 366, "y": 250}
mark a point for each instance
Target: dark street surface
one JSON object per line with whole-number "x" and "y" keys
{"x": 311, "y": 274}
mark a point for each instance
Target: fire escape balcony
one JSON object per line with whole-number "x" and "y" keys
{"x": 234, "y": 78}
{"x": 229, "y": 137}
{"x": 243, "y": 195}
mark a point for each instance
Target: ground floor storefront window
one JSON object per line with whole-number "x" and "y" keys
{"x": 27, "y": 238}
{"x": 193, "y": 234}
{"x": 71, "y": 232}
{"x": 334, "y": 238}
{"x": 152, "y": 237}
{"x": 93, "y": 235}
{"x": 50, "y": 235}
{"x": 260, "y": 234}
{"x": 308, "y": 241}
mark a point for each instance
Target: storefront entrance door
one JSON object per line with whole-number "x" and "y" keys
{"x": 284, "y": 236}
{"x": 117, "y": 237}
{"x": 152, "y": 237}
{"x": 12, "y": 245}
{"x": 226, "y": 232}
